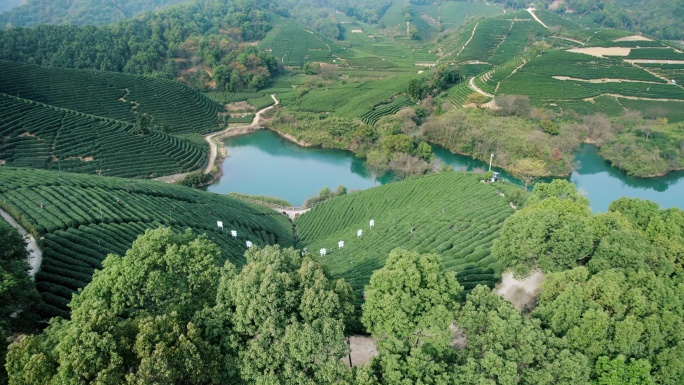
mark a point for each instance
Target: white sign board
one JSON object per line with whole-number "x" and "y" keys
{"x": 340, "y": 244}
{"x": 233, "y": 233}
{"x": 249, "y": 244}
{"x": 359, "y": 233}
{"x": 219, "y": 224}
{"x": 372, "y": 223}
{"x": 323, "y": 252}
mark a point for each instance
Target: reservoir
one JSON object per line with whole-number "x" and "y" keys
{"x": 263, "y": 163}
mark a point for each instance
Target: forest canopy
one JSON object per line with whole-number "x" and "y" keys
{"x": 617, "y": 319}
{"x": 196, "y": 41}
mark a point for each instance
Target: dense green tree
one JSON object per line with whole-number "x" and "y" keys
{"x": 619, "y": 372}
{"x": 194, "y": 179}
{"x": 663, "y": 228}
{"x": 398, "y": 143}
{"x": 424, "y": 151}
{"x": 637, "y": 314}
{"x": 504, "y": 347}
{"x": 559, "y": 188}
{"x": 415, "y": 89}
{"x": 410, "y": 297}
{"x": 628, "y": 249}
{"x": 551, "y": 235}
{"x": 133, "y": 322}
{"x": 409, "y": 306}
{"x": 19, "y": 299}
{"x": 377, "y": 163}
{"x": 284, "y": 318}
{"x": 182, "y": 41}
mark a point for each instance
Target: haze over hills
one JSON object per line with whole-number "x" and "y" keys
{"x": 78, "y": 12}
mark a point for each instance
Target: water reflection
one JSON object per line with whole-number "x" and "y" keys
{"x": 263, "y": 163}
{"x": 604, "y": 184}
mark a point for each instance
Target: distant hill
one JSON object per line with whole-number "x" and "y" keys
{"x": 6, "y": 5}
{"x": 77, "y": 12}
{"x": 82, "y": 218}
{"x": 663, "y": 19}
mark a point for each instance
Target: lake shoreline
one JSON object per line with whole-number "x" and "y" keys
{"x": 265, "y": 164}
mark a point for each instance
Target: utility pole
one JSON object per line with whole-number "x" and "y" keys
{"x": 490, "y": 161}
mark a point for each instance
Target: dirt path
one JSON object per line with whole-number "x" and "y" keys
{"x": 292, "y": 213}
{"x": 569, "y": 39}
{"x": 531, "y": 11}
{"x": 641, "y": 98}
{"x": 35, "y": 257}
{"x": 471, "y": 84}
{"x": 467, "y": 42}
{"x": 213, "y": 147}
{"x": 650, "y": 71}
{"x": 604, "y": 80}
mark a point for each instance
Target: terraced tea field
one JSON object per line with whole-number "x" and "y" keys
{"x": 450, "y": 214}
{"x": 85, "y": 121}
{"x": 594, "y": 79}
{"x": 41, "y": 136}
{"x": 293, "y": 44}
{"x": 112, "y": 95}
{"x": 493, "y": 40}
{"x": 356, "y": 100}
{"x": 82, "y": 218}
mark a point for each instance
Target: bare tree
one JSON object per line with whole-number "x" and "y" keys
{"x": 513, "y": 105}
{"x": 528, "y": 170}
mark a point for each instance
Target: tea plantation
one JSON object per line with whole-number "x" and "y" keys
{"x": 79, "y": 219}
{"x": 41, "y": 136}
{"x": 112, "y": 95}
{"x": 85, "y": 121}
{"x": 450, "y": 214}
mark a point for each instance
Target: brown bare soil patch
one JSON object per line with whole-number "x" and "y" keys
{"x": 363, "y": 349}
{"x": 633, "y": 38}
{"x": 239, "y": 107}
{"x": 197, "y": 68}
{"x": 356, "y": 31}
{"x": 602, "y": 80}
{"x": 556, "y": 4}
{"x": 602, "y": 51}
{"x": 656, "y": 61}
{"x": 521, "y": 292}
{"x": 28, "y": 134}
{"x": 2, "y": 162}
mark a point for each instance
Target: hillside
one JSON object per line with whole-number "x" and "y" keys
{"x": 101, "y": 122}
{"x": 659, "y": 18}
{"x": 82, "y": 218}
{"x": 77, "y": 12}
{"x": 450, "y": 214}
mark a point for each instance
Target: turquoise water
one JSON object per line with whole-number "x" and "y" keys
{"x": 263, "y": 163}
{"x": 603, "y": 184}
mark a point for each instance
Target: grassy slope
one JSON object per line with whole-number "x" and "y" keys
{"x": 112, "y": 95}
{"x": 84, "y": 121}
{"x": 86, "y": 217}
{"x": 452, "y": 214}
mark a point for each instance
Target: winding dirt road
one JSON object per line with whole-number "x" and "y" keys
{"x": 35, "y": 255}
{"x": 471, "y": 84}
{"x": 213, "y": 147}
